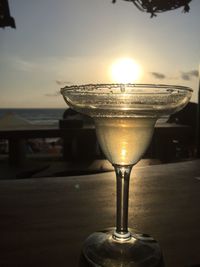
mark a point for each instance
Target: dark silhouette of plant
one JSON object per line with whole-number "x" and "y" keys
{"x": 5, "y": 18}
{"x": 158, "y": 6}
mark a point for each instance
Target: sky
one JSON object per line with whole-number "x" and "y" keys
{"x": 65, "y": 42}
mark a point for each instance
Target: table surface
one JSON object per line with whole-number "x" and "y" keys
{"x": 44, "y": 221}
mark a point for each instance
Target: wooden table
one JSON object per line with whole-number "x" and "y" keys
{"x": 44, "y": 221}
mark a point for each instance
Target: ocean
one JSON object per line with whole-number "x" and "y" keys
{"x": 43, "y": 116}
{"x": 37, "y": 116}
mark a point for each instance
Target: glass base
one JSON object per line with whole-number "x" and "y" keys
{"x": 102, "y": 249}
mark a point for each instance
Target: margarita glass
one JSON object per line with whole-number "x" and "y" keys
{"x": 124, "y": 116}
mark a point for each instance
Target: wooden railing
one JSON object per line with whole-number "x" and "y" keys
{"x": 80, "y": 143}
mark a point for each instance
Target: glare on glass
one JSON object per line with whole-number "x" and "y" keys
{"x": 124, "y": 116}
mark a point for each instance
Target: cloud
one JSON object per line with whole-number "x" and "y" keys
{"x": 23, "y": 65}
{"x": 185, "y": 76}
{"x": 188, "y": 75}
{"x": 59, "y": 82}
{"x": 53, "y": 94}
{"x": 158, "y": 75}
{"x": 194, "y": 73}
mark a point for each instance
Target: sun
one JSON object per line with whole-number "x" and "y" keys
{"x": 125, "y": 70}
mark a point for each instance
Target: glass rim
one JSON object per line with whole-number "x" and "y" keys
{"x": 97, "y": 86}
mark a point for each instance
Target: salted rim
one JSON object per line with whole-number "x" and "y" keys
{"x": 91, "y": 88}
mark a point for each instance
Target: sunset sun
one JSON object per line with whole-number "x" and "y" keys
{"x": 125, "y": 70}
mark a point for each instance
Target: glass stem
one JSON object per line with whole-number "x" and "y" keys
{"x": 123, "y": 177}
